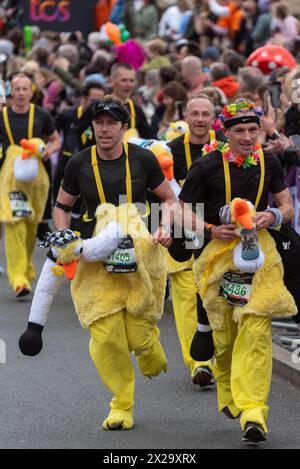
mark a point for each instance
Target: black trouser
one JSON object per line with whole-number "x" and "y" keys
{"x": 48, "y": 209}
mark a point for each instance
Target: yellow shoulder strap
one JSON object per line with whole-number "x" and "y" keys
{"x": 261, "y": 182}
{"x": 31, "y": 121}
{"x": 128, "y": 176}
{"x": 7, "y": 126}
{"x": 212, "y": 136}
{"x": 227, "y": 181}
{"x": 79, "y": 114}
{"x": 262, "y": 177}
{"x": 97, "y": 175}
{"x": 187, "y": 150}
{"x": 132, "y": 114}
{"x": 98, "y": 178}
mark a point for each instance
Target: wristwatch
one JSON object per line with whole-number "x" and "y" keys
{"x": 207, "y": 231}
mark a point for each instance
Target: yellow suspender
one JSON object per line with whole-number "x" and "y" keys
{"x": 187, "y": 150}
{"x": 79, "y": 114}
{"x": 261, "y": 182}
{"x": 212, "y": 136}
{"x": 132, "y": 114}
{"x": 7, "y": 125}
{"x": 98, "y": 178}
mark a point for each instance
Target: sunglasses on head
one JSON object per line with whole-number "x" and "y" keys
{"x": 103, "y": 106}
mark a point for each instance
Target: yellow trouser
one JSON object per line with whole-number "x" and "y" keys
{"x": 243, "y": 368}
{"x": 185, "y": 311}
{"x": 20, "y": 239}
{"x": 112, "y": 338}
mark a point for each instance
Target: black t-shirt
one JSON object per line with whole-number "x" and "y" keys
{"x": 65, "y": 121}
{"x": 178, "y": 152}
{"x": 43, "y": 126}
{"x": 145, "y": 173}
{"x": 205, "y": 183}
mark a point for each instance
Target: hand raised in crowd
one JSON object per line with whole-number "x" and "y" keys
{"x": 285, "y": 104}
{"x": 279, "y": 145}
{"x": 268, "y": 124}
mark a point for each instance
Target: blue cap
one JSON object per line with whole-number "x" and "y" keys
{"x": 211, "y": 52}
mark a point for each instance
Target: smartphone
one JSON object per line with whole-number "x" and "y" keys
{"x": 296, "y": 140}
{"x": 275, "y": 92}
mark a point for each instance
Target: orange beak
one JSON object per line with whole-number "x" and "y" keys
{"x": 70, "y": 270}
{"x": 28, "y": 147}
{"x": 166, "y": 163}
{"x": 241, "y": 213}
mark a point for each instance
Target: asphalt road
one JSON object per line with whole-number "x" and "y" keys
{"x": 55, "y": 400}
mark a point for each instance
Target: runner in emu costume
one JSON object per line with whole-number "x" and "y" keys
{"x": 242, "y": 333}
{"x": 119, "y": 298}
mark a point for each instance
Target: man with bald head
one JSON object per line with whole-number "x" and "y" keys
{"x": 192, "y": 74}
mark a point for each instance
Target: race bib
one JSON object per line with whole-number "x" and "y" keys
{"x": 236, "y": 288}
{"x": 123, "y": 260}
{"x": 19, "y": 205}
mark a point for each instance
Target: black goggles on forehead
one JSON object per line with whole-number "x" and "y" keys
{"x": 103, "y": 106}
{"x": 114, "y": 109}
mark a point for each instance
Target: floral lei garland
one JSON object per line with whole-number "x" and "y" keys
{"x": 231, "y": 157}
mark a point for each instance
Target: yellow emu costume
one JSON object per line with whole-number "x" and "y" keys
{"x": 121, "y": 311}
{"x": 22, "y": 206}
{"x": 243, "y": 335}
{"x": 269, "y": 296}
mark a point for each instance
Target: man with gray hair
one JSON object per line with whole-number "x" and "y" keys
{"x": 69, "y": 52}
{"x": 250, "y": 79}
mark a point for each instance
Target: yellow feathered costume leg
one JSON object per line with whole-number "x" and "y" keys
{"x": 111, "y": 340}
{"x": 143, "y": 340}
{"x": 185, "y": 312}
{"x": 109, "y": 352}
{"x": 19, "y": 245}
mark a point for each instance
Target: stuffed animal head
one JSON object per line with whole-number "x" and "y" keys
{"x": 33, "y": 147}
{"x": 165, "y": 159}
{"x": 162, "y": 153}
{"x": 239, "y": 211}
{"x": 175, "y": 130}
{"x": 67, "y": 247}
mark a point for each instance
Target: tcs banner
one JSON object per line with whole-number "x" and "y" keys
{"x": 60, "y": 15}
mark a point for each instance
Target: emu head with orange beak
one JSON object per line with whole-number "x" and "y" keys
{"x": 239, "y": 211}
{"x": 67, "y": 248}
{"x": 35, "y": 147}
